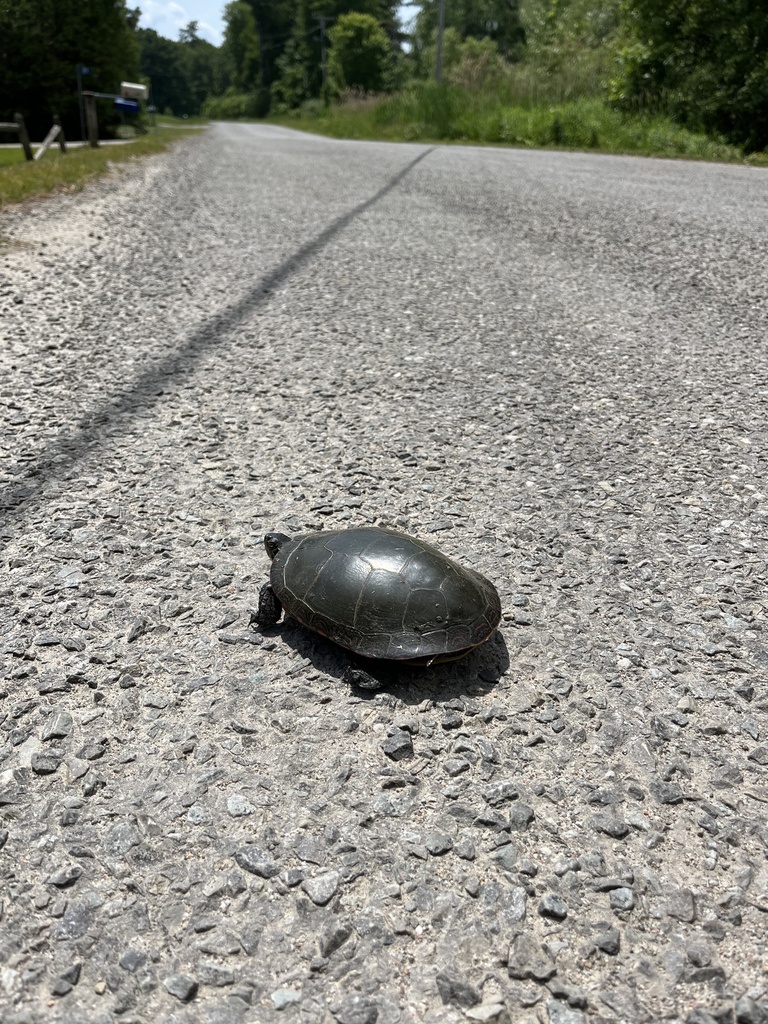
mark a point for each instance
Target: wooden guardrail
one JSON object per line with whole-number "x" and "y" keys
{"x": 56, "y": 132}
{"x": 19, "y": 128}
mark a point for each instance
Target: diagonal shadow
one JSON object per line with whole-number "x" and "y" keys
{"x": 143, "y": 393}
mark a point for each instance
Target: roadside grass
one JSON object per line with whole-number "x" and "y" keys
{"x": 21, "y": 179}
{"x": 9, "y": 157}
{"x": 167, "y": 121}
{"x": 427, "y": 112}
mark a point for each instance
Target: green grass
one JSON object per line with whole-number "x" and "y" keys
{"x": 8, "y": 157}
{"x": 21, "y": 179}
{"x": 166, "y": 121}
{"x": 426, "y": 112}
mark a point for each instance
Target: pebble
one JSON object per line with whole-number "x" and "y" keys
{"x": 214, "y": 974}
{"x": 333, "y": 935}
{"x": 322, "y": 888}
{"x": 65, "y": 876}
{"x": 507, "y": 856}
{"x": 623, "y": 899}
{"x": 182, "y": 986}
{"x": 45, "y": 764}
{"x": 520, "y": 817}
{"x": 238, "y": 806}
{"x": 552, "y": 906}
{"x": 58, "y": 726}
{"x": 283, "y": 997}
{"x": 398, "y": 746}
{"x": 455, "y": 766}
{"x": 609, "y": 941}
{"x": 465, "y": 849}
{"x": 611, "y": 825}
{"x": 355, "y": 1009}
{"x": 438, "y": 844}
{"x": 681, "y": 905}
{"x": 455, "y": 991}
{"x": 527, "y": 960}
{"x": 561, "y": 1013}
{"x": 255, "y": 860}
{"x": 486, "y": 1012}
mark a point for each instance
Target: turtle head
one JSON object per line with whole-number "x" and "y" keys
{"x": 273, "y": 542}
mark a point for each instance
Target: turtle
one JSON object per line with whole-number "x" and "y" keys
{"x": 380, "y": 594}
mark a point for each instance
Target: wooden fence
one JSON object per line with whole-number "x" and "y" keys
{"x": 56, "y": 134}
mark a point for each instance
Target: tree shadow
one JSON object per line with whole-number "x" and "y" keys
{"x": 148, "y": 388}
{"x": 474, "y": 675}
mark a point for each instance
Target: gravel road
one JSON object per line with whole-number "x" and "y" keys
{"x": 553, "y": 367}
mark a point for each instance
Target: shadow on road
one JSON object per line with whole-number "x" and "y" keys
{"x": 472, "y": 676}
{"x": 148, "y": 387}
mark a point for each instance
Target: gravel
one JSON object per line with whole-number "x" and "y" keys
{"x": 552, "y": 366}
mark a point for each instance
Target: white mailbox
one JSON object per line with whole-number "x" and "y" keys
{"x": 133, "y": 91}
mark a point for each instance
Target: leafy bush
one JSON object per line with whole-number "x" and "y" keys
{"x": 706, "y": 63}
{"x": 235, "y": 105}
{"x": 428, "y": 111}
{"x": 360, "y": 53}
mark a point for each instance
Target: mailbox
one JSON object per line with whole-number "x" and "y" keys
{"x": 133, "y": 91}
{"x": 127, "y": 106}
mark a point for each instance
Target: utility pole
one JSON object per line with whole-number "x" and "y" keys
{"x": 440, "y": 28}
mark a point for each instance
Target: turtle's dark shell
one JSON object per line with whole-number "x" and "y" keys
{"x": 384, "y": 595}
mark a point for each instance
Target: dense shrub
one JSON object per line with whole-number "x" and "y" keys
{"x": 233, "y": 105}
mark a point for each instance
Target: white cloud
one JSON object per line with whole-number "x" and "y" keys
{"x": 168, "y": 18}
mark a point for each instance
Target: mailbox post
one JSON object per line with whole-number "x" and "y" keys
{"x": 91, "y": 119}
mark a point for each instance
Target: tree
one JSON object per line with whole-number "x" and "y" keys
{"x": 299, "y": 65}
{"x": 42, "y": 42}
{"x": 360, "y": 53}
{"x": 241, "y": 45}
{"x": 474, "y": 64}
{"x": 274, "y": 22}
{"x": 704, "y": 61}
{"x": 498, "y": 20}
{"x": 201, "y": 66}
{"x": 160, "y": 61}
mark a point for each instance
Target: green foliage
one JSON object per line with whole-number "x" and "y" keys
{"x": 498, "y": 20}
{"x": 570, "y": 46}
{"x": 475, "y": 64}
{"x": 202, "y": 68}
{"x": 182, "y": 73}
{"x": 428, "y": 111}
{"x": 234, "y": 105}
{"x": 42, "y": 41}
{"x": 160, "y": 63}
{"x": 297, "y": 75}
{"x": 299, "y": 65}
{"x": 360, "y": 54}
{"x": 240, "y": 49}
{"x": 274, "y": 23}
{"x": 706, "y": 62}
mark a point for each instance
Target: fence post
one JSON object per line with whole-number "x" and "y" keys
{"x": 91, "y": 119}
{"x": 62, "y": 140}
{"x": 24, "y": 137}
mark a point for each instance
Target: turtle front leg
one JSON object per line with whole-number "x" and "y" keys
{"x": 269, "y": 610}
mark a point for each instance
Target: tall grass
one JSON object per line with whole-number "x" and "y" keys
{"x": 514, "y": 115}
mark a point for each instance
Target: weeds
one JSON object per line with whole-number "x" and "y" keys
{"x": 426, "y": 111}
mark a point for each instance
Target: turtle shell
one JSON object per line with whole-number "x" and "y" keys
{"x": 384, "y": 595}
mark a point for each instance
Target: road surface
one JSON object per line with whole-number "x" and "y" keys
{"x": 552, "y": 366}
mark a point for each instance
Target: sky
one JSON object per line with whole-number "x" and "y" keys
{"x": 166, "y": 17}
